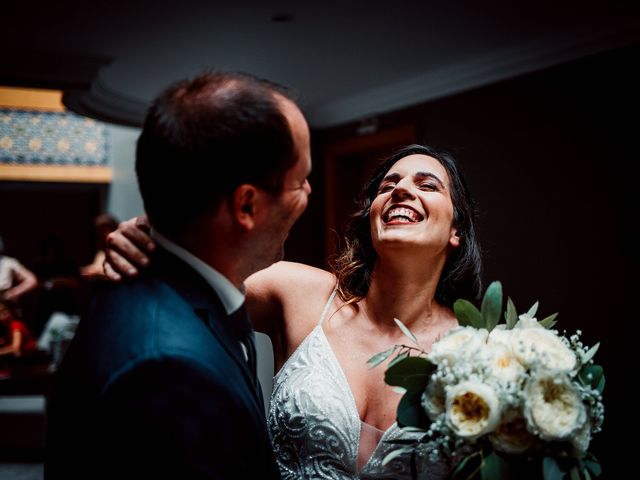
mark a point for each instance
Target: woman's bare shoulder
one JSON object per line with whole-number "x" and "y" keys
{"x": 286, "y": 299}
{"x": 289, "y": 279}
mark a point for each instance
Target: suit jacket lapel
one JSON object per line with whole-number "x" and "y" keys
{"x": 206, "y": 305}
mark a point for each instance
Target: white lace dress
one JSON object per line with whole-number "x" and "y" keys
{"x": 315, "y": 427}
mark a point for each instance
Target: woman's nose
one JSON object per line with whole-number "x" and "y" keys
{"x": 403, "y": 189}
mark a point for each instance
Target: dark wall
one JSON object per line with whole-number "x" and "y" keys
{"x": 549, "y": 158}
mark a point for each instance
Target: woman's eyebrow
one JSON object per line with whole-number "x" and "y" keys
{"x": 391, "y": 177}
{"x": 433, "y": 176}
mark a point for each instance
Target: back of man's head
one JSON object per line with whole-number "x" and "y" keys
{"x": 204, "y": 137}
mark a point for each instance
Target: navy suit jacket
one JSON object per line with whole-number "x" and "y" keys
{"x": 155, "y": 385}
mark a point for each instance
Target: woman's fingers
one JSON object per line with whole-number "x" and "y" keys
{"x": 127, "y": 248}
{"x": 110, "y": 272}
{"x": 116, "y": 265}
{"x": 137, "y": 231}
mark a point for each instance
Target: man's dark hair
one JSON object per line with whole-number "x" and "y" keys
{"x": 203, "y": 137}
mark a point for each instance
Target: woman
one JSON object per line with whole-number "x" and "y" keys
{"x": 15, "y": 338}
{"x": 15, "y": 279}
{"x": 411, "y": 251}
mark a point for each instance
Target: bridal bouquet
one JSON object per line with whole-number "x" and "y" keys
{"x": 493, "y": 398}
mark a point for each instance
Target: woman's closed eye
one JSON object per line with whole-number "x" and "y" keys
{"x": 430, "y": 186}
{"x": 387, "y": 187}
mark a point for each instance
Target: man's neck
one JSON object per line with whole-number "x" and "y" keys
{"x": 231, "y": 295}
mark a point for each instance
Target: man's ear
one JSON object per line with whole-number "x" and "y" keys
{"x": 245, "y": 205}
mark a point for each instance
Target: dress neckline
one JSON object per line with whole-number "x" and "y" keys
{"x": 351, "y": 404}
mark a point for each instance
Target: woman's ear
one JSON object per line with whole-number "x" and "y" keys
{"x": 245, "y": 199}
{"x": 454, "y": 240}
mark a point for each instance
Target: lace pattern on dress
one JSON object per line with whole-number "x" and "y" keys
{"x": 314, "y": 423}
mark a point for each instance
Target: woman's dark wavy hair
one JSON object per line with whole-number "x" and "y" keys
{"x": 460, "y": 277}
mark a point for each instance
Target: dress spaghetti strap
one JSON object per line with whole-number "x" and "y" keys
{"x": 328, "y": 304}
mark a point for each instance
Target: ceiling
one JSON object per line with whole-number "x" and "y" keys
{"x": 347, "y": 60}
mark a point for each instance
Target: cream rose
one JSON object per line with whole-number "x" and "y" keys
{"x": 539, "y": 347}
{"x": 458, "y": 344}
{"x": 473, "y": 409}
{"x": 500, "y": 335}
{"x": 433, "y": 399}
{"x": 512, "y": 435}
{"x": 553, "y": 407}
{"x": 502, "y": 363}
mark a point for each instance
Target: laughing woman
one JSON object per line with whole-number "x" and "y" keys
{"x": 411, "y": 251}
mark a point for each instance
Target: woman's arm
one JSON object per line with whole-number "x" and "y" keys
{"x": 285, "y": 300}
{"x": 26, "y": 281}
{"x": 14, "y": 348}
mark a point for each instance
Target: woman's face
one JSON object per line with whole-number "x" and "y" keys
{"x": 413, "y": 208}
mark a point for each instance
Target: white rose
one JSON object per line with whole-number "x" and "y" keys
{"x": 500, "y": 335}
{"x": 512, "y": 435}
{"x": 433, "y": 400}
{"x": 553, "y": 407}
{"x": 539, "y": 347}
{"x": 458, "y": 344}
{"x": 473, "y": 409}
{"x": 502, "y": 363}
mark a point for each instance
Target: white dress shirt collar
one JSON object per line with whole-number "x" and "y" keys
{"x": 229, "y": 295}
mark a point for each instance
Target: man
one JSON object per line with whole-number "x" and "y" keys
{"x": 160, "y": 379}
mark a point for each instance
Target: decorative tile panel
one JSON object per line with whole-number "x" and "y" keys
{"x": 29, "y": 137}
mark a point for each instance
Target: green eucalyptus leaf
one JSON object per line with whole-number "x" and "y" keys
{"x": 590, "y": 353}
{"x": 511, "y": 315}
{"x": 495, "y": 468}
{"x": 399, "y": 358}
{"x": 378, "y": 358}
{"x": 468, "y": 466}
{"x": 412, "y": 373}
{"x": 412, "y": 430}
{"x": 532, "y": 311}
{"x": 410, "y": 412}
{"x": 406, "y": 331}
{"x": 467, "y": 314}
{"x": 593, "y": 376}
{"x": 594, "y": 466}
{"x": 551, "y": 469}
{"x": 491, "y": 305}
{"x": 402, "y": 441}
{"x": 574, "y": 473}
{"x": 395, "y": 453}
{"x": 549, "y": 322}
